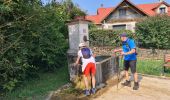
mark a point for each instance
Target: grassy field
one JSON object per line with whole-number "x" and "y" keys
{"x": 38, "y": 89}
{"x": 151, "y": 67}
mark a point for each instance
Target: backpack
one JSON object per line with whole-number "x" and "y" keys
{"x": 86, "y": 53}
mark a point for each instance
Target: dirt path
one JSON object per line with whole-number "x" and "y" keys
{"x": 150, "y": 89}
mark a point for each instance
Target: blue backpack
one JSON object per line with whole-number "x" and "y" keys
{"x": 86, "y": 53}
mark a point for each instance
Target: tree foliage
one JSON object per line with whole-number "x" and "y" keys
{"x": 33, "y": 37}
{"x": 154, "y": 32}
{"x": 99, "y": 37}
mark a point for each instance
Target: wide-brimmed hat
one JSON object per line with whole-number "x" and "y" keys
{"x": 82, "y": 45}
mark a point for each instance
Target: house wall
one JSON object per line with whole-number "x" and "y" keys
{"x": 130, "y": 14}
{"x": 162, "y": 6}
{"x": 99, "y": 26}
{"x": 129, "y": 25}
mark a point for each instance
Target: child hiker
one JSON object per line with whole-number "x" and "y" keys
{"x": 88, "y": 67}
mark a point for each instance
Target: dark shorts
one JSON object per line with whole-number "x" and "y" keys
{"x": 131, "y": 64}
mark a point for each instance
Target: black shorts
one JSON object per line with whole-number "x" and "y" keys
{"x": 131, "y": 64}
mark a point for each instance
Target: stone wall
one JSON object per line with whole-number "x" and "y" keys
{"x": 152, "y": 54}
{"x": 142, "y": 53}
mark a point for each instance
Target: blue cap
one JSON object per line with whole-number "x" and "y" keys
{"x": 123, "y": 35}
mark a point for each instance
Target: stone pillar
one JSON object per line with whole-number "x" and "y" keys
{"x": 78, "y": 30}
{"x": 78, "y": 33}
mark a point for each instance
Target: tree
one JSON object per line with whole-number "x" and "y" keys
{"x": 33, "y": 38}
{"x": 154, "y": 32}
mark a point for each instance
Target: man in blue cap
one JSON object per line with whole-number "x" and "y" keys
{"x": 129, "y": 52}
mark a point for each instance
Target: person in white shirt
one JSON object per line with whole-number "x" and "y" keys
{"x": 88, "y": 67}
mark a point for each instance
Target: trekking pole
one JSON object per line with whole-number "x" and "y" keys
{"x": 118, "y": 72}
{"x": 116, "y": 61}
{"x": 120, "y": 65}
{"x": 119, "y": 59}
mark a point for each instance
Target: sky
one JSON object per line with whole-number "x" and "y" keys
{"x": 90, "y": 6}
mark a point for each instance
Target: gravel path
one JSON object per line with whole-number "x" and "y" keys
{"x": 150, "y": 89}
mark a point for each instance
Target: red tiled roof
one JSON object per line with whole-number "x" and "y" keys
{"x": 102, "y": 13}
{"x": 148, "y": 8}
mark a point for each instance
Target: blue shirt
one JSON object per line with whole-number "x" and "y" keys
{"x": 127, "y": 46}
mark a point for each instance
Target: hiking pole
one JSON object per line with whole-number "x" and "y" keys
{"x": 116, "y": 61}
{"x": 118, "y": 74}
{"x": 119, "y": 59}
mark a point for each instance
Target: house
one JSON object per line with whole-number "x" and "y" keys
{"x": 126, "y": 14}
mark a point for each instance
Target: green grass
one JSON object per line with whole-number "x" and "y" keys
{"x": 150, "y": 67}
{"x": 39, "y": 89}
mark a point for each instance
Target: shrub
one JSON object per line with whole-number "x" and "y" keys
{"x": 99, "y": 37}
{"x": 31, "y": 39}
{"x": 154, "y": 32}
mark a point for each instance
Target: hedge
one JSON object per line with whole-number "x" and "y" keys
{"x": 99, "y": 37}
{"x": 154, "y": 32}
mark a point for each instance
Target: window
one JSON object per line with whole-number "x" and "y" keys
{"x": 162, "y": 10}
{"x": 119, "y": 27}
{"x": 122, "y": 12}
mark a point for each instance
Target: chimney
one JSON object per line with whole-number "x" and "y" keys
{"x": 161, "y": 0}
{"x": 101, "y": 5}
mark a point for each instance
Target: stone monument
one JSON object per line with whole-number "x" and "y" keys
{"x": 78, "y": 33}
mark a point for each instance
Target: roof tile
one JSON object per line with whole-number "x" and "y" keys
{"x": 102, "y": 13}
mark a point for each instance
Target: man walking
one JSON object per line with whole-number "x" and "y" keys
{"x": 129, "y": 52}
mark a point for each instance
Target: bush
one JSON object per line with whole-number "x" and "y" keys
{"x": 154, "y": 32}
{"x": 31, "y": 39}
{"x": 100, "y": 37}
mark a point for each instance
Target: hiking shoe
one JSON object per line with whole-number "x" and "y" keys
{"x": 93, "y": 91}
{"x": 87, "y": 92}
{"x": 136, "y": 86}
{"x": 126, "y": 83}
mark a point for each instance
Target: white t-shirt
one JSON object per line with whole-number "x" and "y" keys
{"x": 86, "y": 61}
